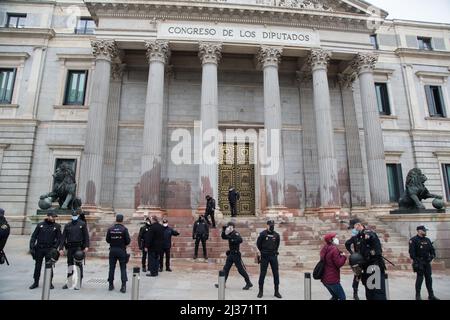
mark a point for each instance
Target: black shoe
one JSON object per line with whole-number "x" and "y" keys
{"x": 195, "y": 257}
{"x": 123, "y": 289}
{"x": 433, "y": 297}
{"x": 418, "y": 297}
{"x": 247, "y": 286}
{"x": 355, "y": 296}
{"x": 152, "y": 274}
{"x": 52, "y": 287}
{"x": 160, "y": 270}
{"x": 217, "y": 286}
{"x": 278, "y": 295}
{"x": 111, "y": 287}
{"x": 144, "y": 269}
{"x": 168, "y": 270}
{"x": 260, "y": 293}
{"x": 34, "y": 285}
{"x": 65, "y": 287}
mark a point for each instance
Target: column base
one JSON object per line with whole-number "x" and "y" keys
{"x": 329, "y": 211}
{"x": 98, "y": 211}
{"x": 380, "y": 210}
{"x": 142, "y": 212}
{"x": 276, "y": 212}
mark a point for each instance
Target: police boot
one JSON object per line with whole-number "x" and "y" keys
{"x": 432, "y": 297}
{"x": 277, "y": 293}
{"x": 355, "y": 295}
{"x": 111, "y": 286}
{"x": 261, "y": 292}
{"x": 51, "y": 286}
{"x": 248, "y": 285}
{"x": 34, "y": 285}
{"x": 418, "y": 297}
{"x": 123, "y": 289}
{"x": 144, "y": 269}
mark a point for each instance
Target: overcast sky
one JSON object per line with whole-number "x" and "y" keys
{"x": 420, "y": 10}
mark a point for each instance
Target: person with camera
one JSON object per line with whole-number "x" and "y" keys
{"x": 44, "y": 240}
{"x": 200, "y": 233}
{"x": 234, "y": 255}
{"x": 422, "y": 253}
{"x": 118, "y": 238}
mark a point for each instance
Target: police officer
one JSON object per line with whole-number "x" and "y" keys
{"x": 233, "y": 197}
{"x": 374, "y": 265}
{"x": 356, "y": 243}
{"x": 118, "y": 238}
{"x": 45, "y": 237}
{"x": 200, "y": 233}
{"x": 154, "y": 240}
{"x": 4, "y": 233}
{"x": 422, "y": 252}
{"x": 167, "y": 245}
{"x": 268, "y": 243}
{"x": 75, "y": 238}
{"x": 234, "y": 255}
{"x": 209, "y": 211}
{"x": 141, "y": 242}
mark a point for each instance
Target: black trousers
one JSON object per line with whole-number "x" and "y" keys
{"x": 41, "y": 253}
{"x": 233, "y": 208}
{"x": 153, "y": 262}
{"x": 213, "y": 220}
{"x": 355, "y": 284}
{"x": 265, "y": 261}
{"x": 424, "y": 272}
{"x": 165, "y": 252}
{"x": 144, "y": 258}
{"x": 117, "y": 254}
{"x": 235, "y": 258}
{"x": 373, "y": 292}
{"x": 71, "y": 262}
{"x": 197, "y": 241}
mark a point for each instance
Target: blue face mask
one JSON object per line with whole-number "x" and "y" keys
{"x": 354, "y": 232}
{"x": 74, "y": 218}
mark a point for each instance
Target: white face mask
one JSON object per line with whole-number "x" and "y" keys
{"x": 74, "y": 218}
{"x": 336, "y": 241}
{"x": 165, "y": 224}
{"x": 228, "y": 230}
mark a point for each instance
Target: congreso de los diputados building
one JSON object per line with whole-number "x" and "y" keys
{"x": 341, "y": 101}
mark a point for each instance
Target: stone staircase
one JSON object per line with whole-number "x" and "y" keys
{"x": 301, "y": 241}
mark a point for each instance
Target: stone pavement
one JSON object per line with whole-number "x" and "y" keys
{"x": 182, "y": 284}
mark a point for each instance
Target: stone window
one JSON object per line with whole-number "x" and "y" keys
{"x": 374, "y": 41}
{"x": 7, "y": 79}
{"x": 446, "y": 174}
{"x": 395, "y": 181}
{"x": 425, "y": 43}
{"x": 383, "y": 98}
{"x": 85, "y": 26}
{"x": 16, "y": 20}
{"x": 76, "y": 87}
{"x": 435, "y": 101}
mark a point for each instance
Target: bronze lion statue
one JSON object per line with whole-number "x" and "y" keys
{"x": 64, "y": 189}
{"x": 415, "y": 191}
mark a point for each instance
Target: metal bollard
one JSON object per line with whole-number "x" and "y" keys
{"x": 386, "y": 283}
{"x": 221, "y": 285}
{"x": 135, "y": 284}
{"x": 47, "y": 280}
{"x": 307, "y": 286}
{"x": 78, "y": 270}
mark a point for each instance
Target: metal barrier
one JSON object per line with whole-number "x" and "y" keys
{"x": 47, "y": 280}
{"x": 307, "y": 286}
{"x": 135, "y": 284}
{"x": 221, "y": 285}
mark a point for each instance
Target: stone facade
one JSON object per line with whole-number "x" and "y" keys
{"x": 143, "y": 85}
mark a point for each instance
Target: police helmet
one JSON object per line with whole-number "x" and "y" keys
{"x": 356, "y": 259}
{"x": 54, "y": 255}
{"x": 78, "y": 256}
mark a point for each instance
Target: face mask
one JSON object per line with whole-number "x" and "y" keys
{"x": 336, "y": 241}
{"x": 165, "y": 225}
{"x": 228, "y": 230}
{"x": 354, "y": 232}
{"x": 74, "y": 218}
{"x": 272, "y": 228}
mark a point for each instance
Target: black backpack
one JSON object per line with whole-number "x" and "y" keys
{"x": 319, "y": 269}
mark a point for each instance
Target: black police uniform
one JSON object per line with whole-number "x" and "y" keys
{"x": 210, "y": 208}
{"x": 75, "y": 237}
{"x": 200, "y": 233}
{"x": 422, "y": 252}
{"x": 5, "y": 229}
{"x": 372, "y": 252}
{"x": 154, "y": 240}
{"x": 233, "y": 197}
{"x": 45, "y": 237}
{"x": 234, "y": 255}
{"x": 141, "y": 243}
{"x": 268, "y": 243}
{"x": 118, "y": 238}
{"x": 356, "y": 243}
{"x": 167, "y": 245}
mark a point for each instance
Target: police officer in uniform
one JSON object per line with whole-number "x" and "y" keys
{"x": 75, "y": 238}
{"x": 4, "y": 233}
{"x": 234, "y": 255}
{"x": 356, "y": 243}
{"x": 118, "y": 238}
{"x": 210, "y": 209}
{"x": 372, "y": 252}
{"x": 141, "y": 242}
{"x": 45, "y": 237}
{"x": 268, "y": 243}
{"x": 200, "y": 233}
{"x": 233, "y": 197}
{"x": 422, "y": 252}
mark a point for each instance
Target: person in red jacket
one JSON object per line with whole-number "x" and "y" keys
{"x": 333, "y": 259}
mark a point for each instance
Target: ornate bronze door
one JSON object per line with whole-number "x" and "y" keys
{"x": 236, "y": 169}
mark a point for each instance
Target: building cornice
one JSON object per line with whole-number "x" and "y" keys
{"x": 407, "y": 53}
{"x": 42, "y": 33}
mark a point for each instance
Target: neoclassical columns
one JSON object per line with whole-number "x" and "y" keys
{"x": 158, "y": 53}
{"x": 210, "y": 54}
{"x": 91, "y": 170}
{"x": 269, "y": 58}
{"x": 328, "y": 173}
{"x": 364, "y": 65}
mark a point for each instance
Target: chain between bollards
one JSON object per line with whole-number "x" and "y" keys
{"x": 221, "y": 285}
{"x": 307, "y": 286}
{"x": 135, "y": 284}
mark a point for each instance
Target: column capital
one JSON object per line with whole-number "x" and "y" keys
{"x": 364, "y": 62}
{"x": 157, "y": 50}
{"x": 319, "y": 58}
{"x": 104, "y": 49}
{"x": 269, "y": 56}
{"x": 210, "y": 52}
{"x": 346, "y": 80}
